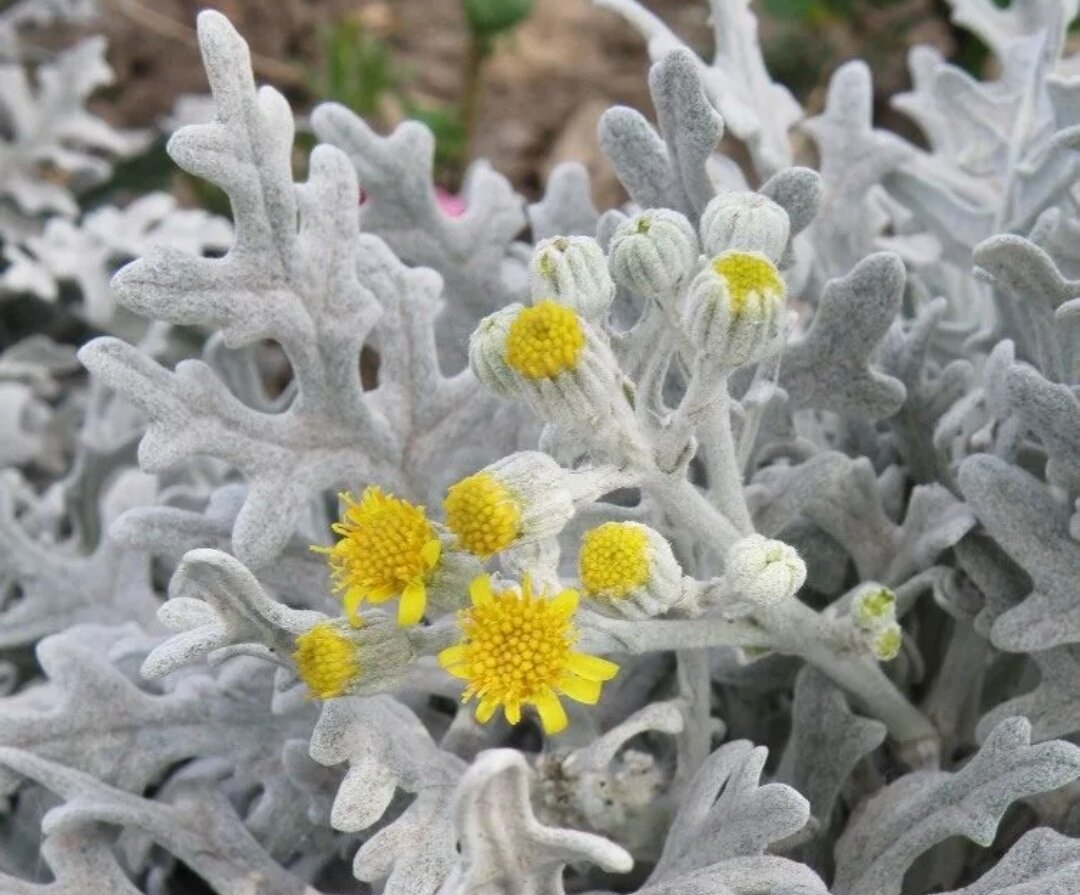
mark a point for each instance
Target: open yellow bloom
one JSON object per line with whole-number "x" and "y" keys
{"x": 388, "y": 548}
{"x": 326, "y": 661}
{"x": 544, "y": 340}
{"x": 614, "y": 559}
{"x": 483, "y": 513}
{"x": 517, "y": 649}
{"x": 751, "y": 280}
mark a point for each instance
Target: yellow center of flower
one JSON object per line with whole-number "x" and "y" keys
{"x": 749, "y": 275}
{"x": 544, "y": 340}
{"x": 326, "y": 661}
{"x": 614, "y": 559}
{"x": 517, "y": 648}
{"x": 483, "y": 514}
{"x": 387, "y": 549}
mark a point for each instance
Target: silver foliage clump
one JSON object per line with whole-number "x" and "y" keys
{"x": 797, "y": 450}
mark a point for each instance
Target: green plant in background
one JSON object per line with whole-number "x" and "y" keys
{"x": 354, "y": 67}
{"x": 358, "y": 69}
{"x": 487, "y": 20}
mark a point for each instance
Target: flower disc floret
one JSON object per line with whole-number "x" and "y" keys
{"x": 483, "y": 513}
{"x": 387, "y": 549}
{"x": 751, "y": 280}
{"x": 544, "y": 340}
{"x": 326, "y": 661}
{"x": 614, "y": 559}
{"x": 517, "y": 650}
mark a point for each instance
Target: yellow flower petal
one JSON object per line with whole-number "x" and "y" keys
{"x": 552, "y": 714}
{"x": 485, "y": 709}
{"x": 452, "y": 655}
{"x": 512, "y": 711}
{"x": 566, "y": 603}
{"x": 580, "y": 690}
{"x": 352, "y": 600}
{"x": 592, "y": 668}
{"x": 480, "y": 591}
{"x": 430, "y": 553}
{"x": 413, "y": 603}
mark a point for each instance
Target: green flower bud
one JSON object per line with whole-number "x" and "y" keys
{"x": 886, "y": 644}
{"x": 487, "y": 18}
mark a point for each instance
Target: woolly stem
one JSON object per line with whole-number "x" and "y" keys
{"x": 695, "y": 688}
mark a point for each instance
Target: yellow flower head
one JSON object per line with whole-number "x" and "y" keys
{"x": 483, "y": 513}
{"x": 751, "y": 278}
{"x": 517, "y": 649}
{"x": 388, "y": 548}
{"x": 326, "y": 661}
{"x": 614, "y": 559}
{"x": 544, "y": 340}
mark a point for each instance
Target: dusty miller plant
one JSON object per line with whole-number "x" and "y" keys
{"x": 727, "y": 542}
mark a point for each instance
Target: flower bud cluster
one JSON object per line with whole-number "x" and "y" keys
{"x": 874, "y": 614}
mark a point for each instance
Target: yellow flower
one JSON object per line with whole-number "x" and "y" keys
{"x": 483, "y": 513}
{"x": 749, "y": 276}
{"x": 544, "y": 340}
{"x": 326, "y": 661}
{"x": 614, "y": 559}
{"x": 517, "y": 649}
{"x": 388, "y": 548}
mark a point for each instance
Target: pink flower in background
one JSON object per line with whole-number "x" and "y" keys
{"x": 450, "y": 205}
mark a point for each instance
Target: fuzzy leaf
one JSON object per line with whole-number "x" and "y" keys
{"x": 218, "y": 604}
{"x": 201, "y": 828}
{"x": 387, "y": 749}
{"x": 143, "y": 733}
{"x": 1033, "y": 529}
{"x": 927, "y": 807}
{"x": 504, "y": 848}
{"x": 472, "y": 253}
{"x": 726, "y": 814}
{"x": 829, "y": 368}
{"x": 1043, "y": 862}
{"x": 666, "y": 169}
{"x": 827, "y": 741}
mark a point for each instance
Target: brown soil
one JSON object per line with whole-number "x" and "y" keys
{"x": 543, "y": 92}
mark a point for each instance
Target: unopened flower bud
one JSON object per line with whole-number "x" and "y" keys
{"x": 574, "y": 271}
{"x": 734, "y": 312}
{"x": 764, "y": 571}
{"x": 653, "y": 252}
{"x": 630, "y": 568}
{"x": 515, "y": 501}
{"x": 745, "y": 222}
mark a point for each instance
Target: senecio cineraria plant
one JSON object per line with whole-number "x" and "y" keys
{"x": 724, "y": 544}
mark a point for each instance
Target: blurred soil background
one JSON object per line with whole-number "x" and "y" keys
{"x": 543, "y": 84}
